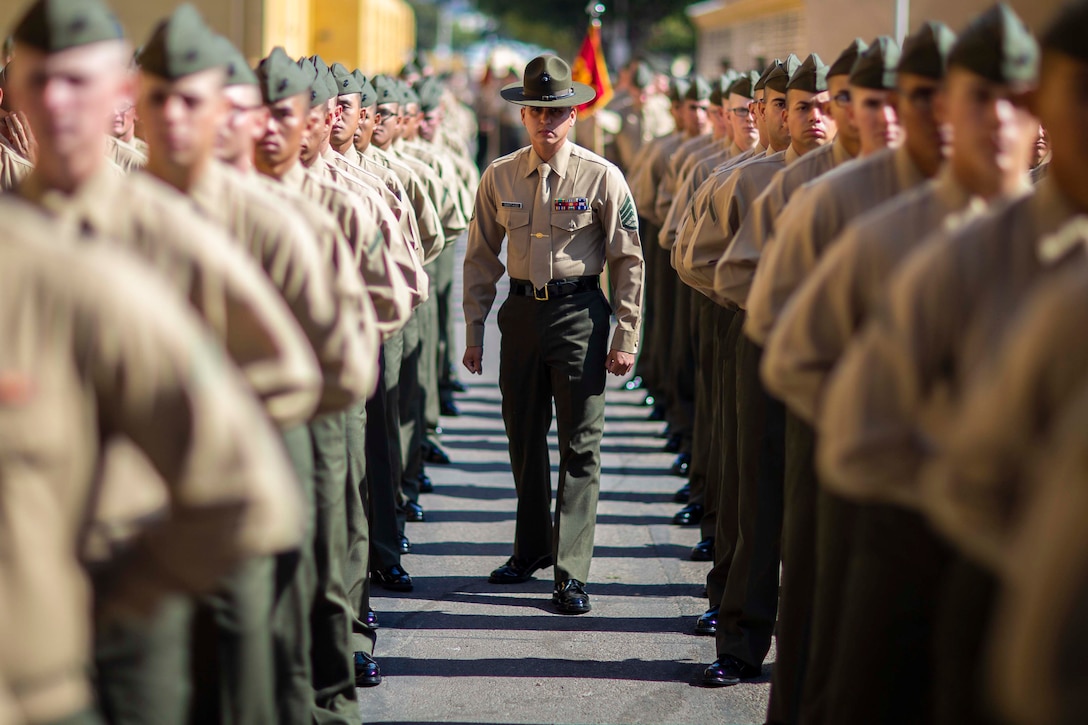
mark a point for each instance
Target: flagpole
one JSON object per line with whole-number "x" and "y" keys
{"x": 595, "y": 10}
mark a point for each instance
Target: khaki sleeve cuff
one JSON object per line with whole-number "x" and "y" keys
{"x": 625, "y": 341}
{"x": 474, "y": 335}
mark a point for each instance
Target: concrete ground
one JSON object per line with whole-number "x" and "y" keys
{"x": 460, "y": 650}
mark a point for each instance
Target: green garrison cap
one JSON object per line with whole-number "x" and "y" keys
{"x": 698, "y": 89}
{"x": 429, "y": 91}
{"x": 779, "y": 78}
{"x": 997, "y": 46}
{"x": 408, "y": 94}
{"x": 1068, "y": 30}
{"x": 875, "y": 67}
{"x": 719, "y": 89}
{"x": 642, "y": 76}
{"x": 744, "y": 85}
{"x": 280, "y": 78}
{"x": 762, "y": 82}
{"x": 55, "y": 25}
{"x": 925, "y": 51}
{"x": 367, "y": 95}
{"x": 319, "y": 89}
{"x": 677, "y": 88}
{"x": 845, "y": 62}
{"x": 181, "y": 45}
{"x": 810, "y": 76}
{"x": 385, "y": 89}
{"x": 238, "y": 71}
{"x": 346, "y": 84}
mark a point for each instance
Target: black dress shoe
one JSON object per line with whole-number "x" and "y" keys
{"x": 672, "y": 445}
{"x": 682, "y": 494}
{"x": 570, "y": 597}
{"x": 367, "y": 672}
{"x": 634, "y": 383}
{"x": 707, "y": 623}
{"x": 448, "y": 408}
{"x": 457, "y": 386}
{"x": 433, "y": 453}
{"x": 728, "y": 670}
{"x": 650, "y": 401}
{"x": 681, "y": 466}
{"x": 405, "y": 545}
{"x": 690, "y": 515}
{"x": 414, "y": 512}
{"x": 516, "y": 571}
{"x": 704, "y": 550}
{"x": 393, "y": 578}
{"x": 426, "y": 485}
{"x": 371, "y": 619}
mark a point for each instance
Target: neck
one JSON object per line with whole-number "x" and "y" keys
{"x": 546, "y": 153}
{"x": 852, "y": 146}
{"x": 346, "y": 147}
{"x": 69, "y": 177}
{"x": 927, "y": 162}
{"x": 383, "y": 146}
{"x": 181, "y": 178}
{"x": 777, "y": 146}
{"x": 128, "y": 136}
{"x": 280, "y": 170}
{"x": 243, "y": 162}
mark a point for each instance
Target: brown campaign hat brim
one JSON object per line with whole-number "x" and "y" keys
{"x": 581, "y": 93}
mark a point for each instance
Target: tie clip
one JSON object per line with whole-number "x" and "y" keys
{"x": 540, "y": 235}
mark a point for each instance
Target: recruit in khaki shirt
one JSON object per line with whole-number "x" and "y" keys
{"x": 595, "y": 224}
{"x": 699, "y": 279}
{"x": 979, "y": 487}
{"x": 810, "y": 224}
{"x": 696, "y": 173}
{"x": 202, "y": 264}
{"x": 291, "y": 256}
{"x": 654, "y": 167}
{"x": 820, "y": 319}
{"x": 384, "y": 283}
{"x": 670, "y": 181}
{"x": 1039, "y": 625}
{"x": 95, "y": 349}
{"x": 891, "y": 399}
{"x": 413, "y": 172}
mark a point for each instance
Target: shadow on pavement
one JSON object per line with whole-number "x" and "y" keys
{"x": 532, "y": 667}
{"x": 502, "y": 549}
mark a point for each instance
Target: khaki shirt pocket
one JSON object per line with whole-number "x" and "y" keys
{"x": 570, "y": 235}
{"x": 516, "y": 223}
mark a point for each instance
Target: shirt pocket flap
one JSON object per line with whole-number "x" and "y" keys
{"x": 572, "y": 221}
{"x": 513, "y": 218}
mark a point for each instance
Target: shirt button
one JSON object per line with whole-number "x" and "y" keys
{"x": 572, "y": 227}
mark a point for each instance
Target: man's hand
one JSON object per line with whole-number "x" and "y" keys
{"x": 474, "y": 360}
{"x": 17, "y": 130}
{"x": 619, "y": 363}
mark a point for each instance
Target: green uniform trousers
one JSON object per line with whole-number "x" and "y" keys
{"x": 727, "y": 476}
{"x": 233, "y": 668}
{"x": 410, "y": 405}
{"x": 665, "y": 298}
{"x": 428, "y": 358}
{"x": 749, "y": 604}
{"x": 645, "y": 367}
{"x": 383, "y": 460}
{"x": 682, "y": 354}
{"x": 882, "y": 671}
{"x": 87, "y": 717}
{"x": 702, "y": 311}
{"x": 445, "y": 268}
{"x": 555, "y": 350}
{"x": 357, "y": 500}
{"x": 793, "y": 632}
{"x": 142, "y": 666}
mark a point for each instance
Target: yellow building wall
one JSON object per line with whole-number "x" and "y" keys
{"x": 376, "y": 36}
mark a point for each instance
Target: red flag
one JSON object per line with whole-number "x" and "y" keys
{"x": 590, "y": 68}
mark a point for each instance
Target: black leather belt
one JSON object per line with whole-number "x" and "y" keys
{"x": 555, "y": 288}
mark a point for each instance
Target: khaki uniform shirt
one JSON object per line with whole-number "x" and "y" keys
{"x": 445, "y": 200}
{"x": 979, "y": 487}
{"x": 125, "y": 155}
{"x": 401, "y": 239}
{"x": 701, "y": 278}
{"x": 201, "y": 263}
{"x": 291, "y": 256}
{"x": 810, "y": 224}
{"x": 443, "y": 164}
{"x": 670, "y": 181}
{"x": 13, "y": 168}
{"x": 431, "y": 237}
{"x": 582, "y": 241}
{"x": 94, "y": 349}
{"x": 651, "y": 171}
{"x": 831, "y": 304}
{"x": 1039, "y": 622}
{"x": 691, "y": 179}
{"x": 891, "y": 399}
{"x": 365, "y": 228}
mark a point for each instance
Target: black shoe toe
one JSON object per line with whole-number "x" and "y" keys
{"x": 516, "y": 571}
{"x": 405, "y": 545}
{"x": 372, "y": 619}
{"x": 690, "y": 515}
{"x": 728, "y": 670}
{"x": 673, "y": 444}
{"x": 393, "y": 578}
{"x": 682, "y": 494}
{"x": 414, "y": 512}
{"x": 426, "y": 485}
{"x": 707, "y": 623}
{"x": 367, "y": 671}
{"x": 681, "y": 465}
{"x": 449, "y": 409}
{"x": 704, "y": 550}
{"x": 633, "y": 384}
{"x": 433, "y": 453}
{"x": 570, "y": 597}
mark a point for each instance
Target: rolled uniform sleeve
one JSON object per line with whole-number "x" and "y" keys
{"x": 483, "y": 268}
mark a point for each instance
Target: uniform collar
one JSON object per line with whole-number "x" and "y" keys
{"x": 558, "y": 162}
{"x": 91, "y": 205}
{"x": 791, "y": 155}
{"x": 207, "y": 192}
{"x": 294, "y": 178}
